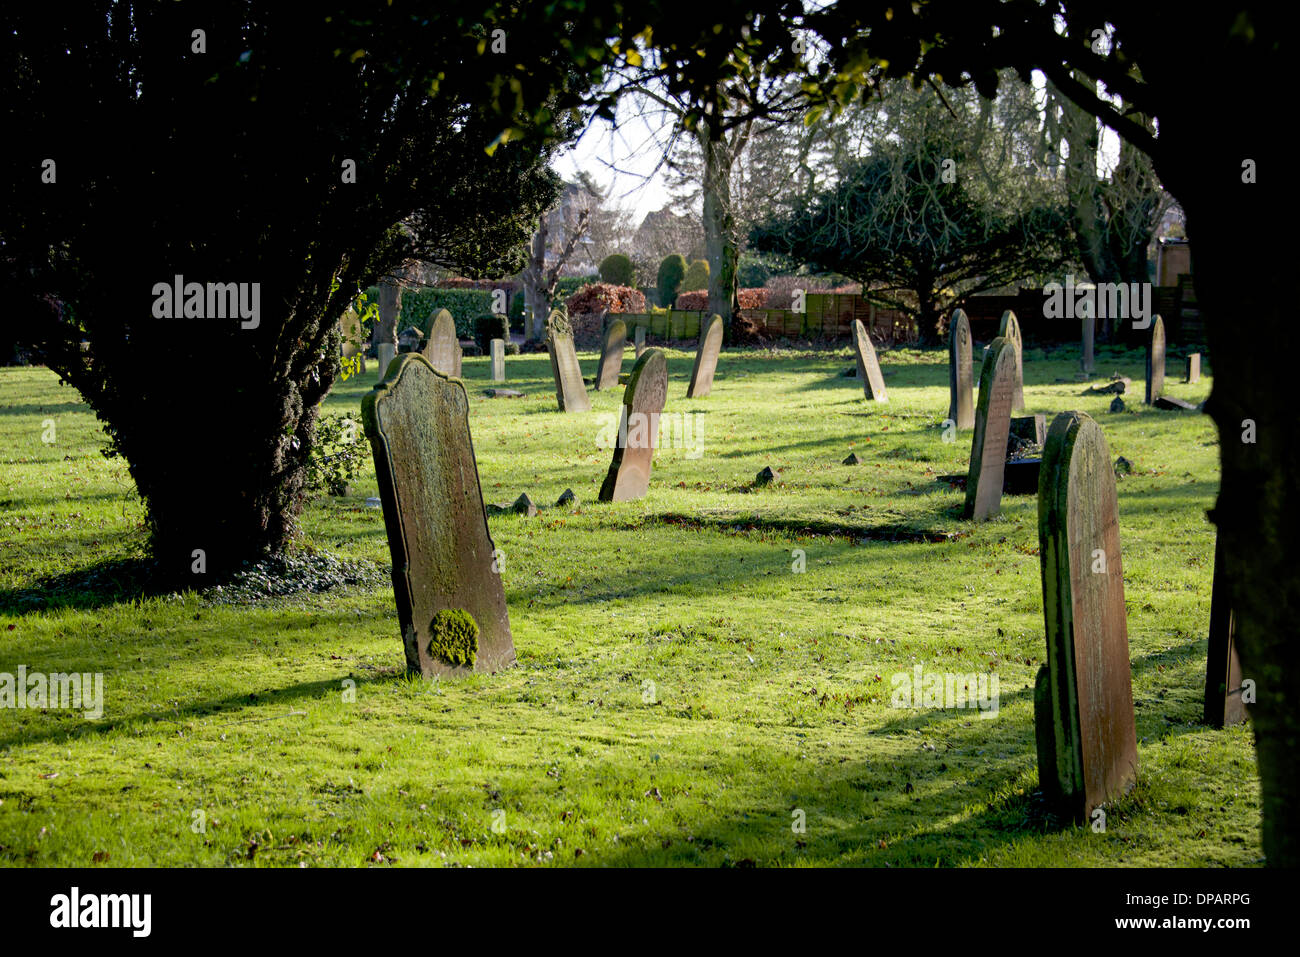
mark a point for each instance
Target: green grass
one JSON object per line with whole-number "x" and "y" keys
{"x": 771, "y": 689}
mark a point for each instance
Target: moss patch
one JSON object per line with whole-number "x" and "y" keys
{"x": 453, "y": 637}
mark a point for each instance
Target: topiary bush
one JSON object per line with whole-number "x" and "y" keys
{"x": 697, "y": 276}
{"x": 616, "y": 269}
{"x": 453, "y": 637}
{"x": 603, "y": 297}
{"x": 487, "y": 328}
{"x": 671, "y": 273}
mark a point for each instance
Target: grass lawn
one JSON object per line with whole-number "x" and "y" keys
{"x": 682, "y": 692}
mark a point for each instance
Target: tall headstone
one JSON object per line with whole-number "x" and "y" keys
{"x": 961, "y": 408}
{"x": 444, "y": 560}
{"x": 988, "y": 450}
{"x": 1223, "y": 700}
{"x": 873, "y": 383}
{"x": 611, "y": 355}
{"x": 706, "y": 360}
{"x": 498, "y": 348}
{"x": 443, "y": 348}
{"x": 386, "y": 351}
{"x": 570, "y": 390}
{"x": 1193, "y": 368}
{"x": 1155, "y": 360}
{"x": 638, "y": 431}
{"x": 1083, "y": 698}
{"x": 639, "y": 340}
{"x": 1087, "y": 363}
{"x": 1009, "y": 329}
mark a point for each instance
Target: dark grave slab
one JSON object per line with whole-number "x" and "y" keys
{"x": 503, "y": 393}
{"x": 1009, "y": 329}
{"x": 611, "y": 355}
{"x": 417, "y": 420}
{"x": 1173, "y": 404}
{"x": 1155, "y": 360}
{"x": 524, "y": 505}
{"x": 1020, "y": 477}
{"x": 868, "y": 368}
{"x": 706, "y": 360}
{"x": 1083, "y": 699}
{"x": 1223, "y": 704}
{"x": 767, "y": 476}
{"x": 988, "y": 453}
{"x": 961, "y": 407}
{"x": 638, "y": 434}
{"x": 1117, "y": 404}
{"x": 1116, "y": 386}
{"x": 570, "y": 391}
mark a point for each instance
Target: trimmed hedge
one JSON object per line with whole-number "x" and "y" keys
{"x": 487, "y": 328}
{"x": 420, "y": 305}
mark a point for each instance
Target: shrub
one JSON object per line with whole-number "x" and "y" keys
{"x": 697, "y": 277}
{"x": 512, "y": 348}
{"x": 671, "y": 273}
{"x": 454, "y": 637}
{"x": 602, "y": 297}
{"x": 753, "y": 272}
{"x": 419, "y": 306}
{"x": 336, "y": 454}
{"x": 616, "y": 269}
{"x": 487, "y": 328}
{"x": 749, "y": 299}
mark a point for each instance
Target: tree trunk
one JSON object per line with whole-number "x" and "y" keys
{"x": 536, "y": 298}
{"x": 390, "y": 308}
{"x": 720, "y": 229}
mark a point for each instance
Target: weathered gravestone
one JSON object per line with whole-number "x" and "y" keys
{"x": 873, "y": 383}
{"x": 1193, "y": 368}
{"x": 498, "y": 347}
{"x": 706, "y": 360}
{"x": 611, "y": 355}
{"x": 1009, "y": 329}
{"x": 1088, "y": 326}
{"x": 988, "y": 450}
{"x": 417, "y": 421}
{"x": 1223, "y": 697}
{"x": 1083, "y": 698}
{"x": 443, "y": 348}
{"x": 385, "y": 351}
{"x": 639, "y": 340}
{"x": 570, "y": 390}
{"x": 638, "y": 429}
{"x": 960, "y": 351}
{"x": 1155, "y": 360}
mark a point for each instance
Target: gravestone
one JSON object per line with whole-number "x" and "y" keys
{"x": 350, "y": 331}
{"x": 873, "y": 383}
{"x": 1030, "y": 428}
{"x": 386, "y": 351}
{"x": 498, "y": 348}
{"x": 442, "y": 348}
{"x": 639, "y": 340}
{"x": 961, "y": 409}
{"x": 706, "y": 360}
{"x": 408, "y": 340}
{"x": 638, "y": 429}
{"x": 1083, "y": 698}
{"x": 1155, "y": 360}
{"x": 417, "y": 421}
{"x": 611, "y": 355}
{"x": 1009, "y": 329}
{"x": 1223, "y": 703}
{"x": 988, "y": 450}
{"x": 570, "y": 391}
{"x": 1088, "y": 326}
{"x": 1193, "y": 368}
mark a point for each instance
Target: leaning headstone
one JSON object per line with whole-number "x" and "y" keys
{"x": 1083, "y": 698}
{"x": 611, "y": 355}
{"x": 1118, "y": 385}
{"x": 1155, "y": 360}
{"x": 639, "y": 340}
{"x": 873, "y": 383}
{"x": 638, "y": 429}
{"x": 961, "y": 409}
{"x": 417, "y": 421}
{"x": 1223, "y": 700}
{"x": 1193, "y": 368}
{"x": 386, "y": 352}
{"x": 1009, "y": 329}
{"x": 442, "y": 349}
{"x": 498, "y": 347}
{"x": 1088, "y": 326}
{"x": 570, "y": 391}
{"x": 988, "y": 450}
{"x": 706, "y": 360}
{"x": 1031, "y": 429}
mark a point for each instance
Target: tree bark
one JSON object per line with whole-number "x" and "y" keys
{"x": 720, "y": 228}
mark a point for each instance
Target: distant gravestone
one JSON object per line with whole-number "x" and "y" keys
{"x": 1088, "y": 327}
{"x": 1223, "y": 699}
{"x": 350, "y": 331}
{"x": 498, "y": 348}
{"x": 638, "y": 433}
{"x": 1155, "y": 360}
{"x": 639, "y": 340}
{"x": 961, "y": 409}
{"x": 386, "y": 351}
{"x": 1194, "y": 368}
{"x": 873, "y": 383}
{"x": 611, "y": 355}
{"x": 1083, "y": 698}
{"x": 417, "y": 421}
{"x": 706, "y": 360}
{"x": 1009, "y": 329}
{"x": 570, "y": 391}
{"x": 988, "y": 450}
{"x": 442, "y": 348}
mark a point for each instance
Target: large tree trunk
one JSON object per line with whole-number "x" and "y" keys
{"x": 720, "y": 229}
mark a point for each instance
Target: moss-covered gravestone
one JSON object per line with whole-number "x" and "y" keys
{"x": 873, "y": 383}
{"x": 570, "y": 390}
{"x": 961, "y": 408}
{"x": 611, "y": 355}
{"x": 988, "y": 450}
{"x": 498, "y": 349}
{"x": 1223, "y": 692}
{"x": 1083, "y": 698}
{"x": 1009, "y": 329}
{"x": 1155, "y": 360}
{"x": 417, "y": 421}
{"x": 706, "y": 360}
{"x": 638, "y": 429}
{"x": 442, "y": 348}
